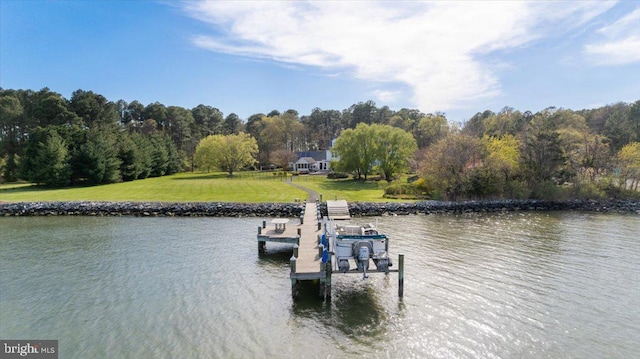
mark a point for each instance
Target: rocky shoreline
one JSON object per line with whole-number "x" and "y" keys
{"x": 291, "y": 210}
{"x": 438, "y": 207}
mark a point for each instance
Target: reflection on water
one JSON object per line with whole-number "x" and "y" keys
{"x": 358, "y": 313}
{"x": 524, "y": 285}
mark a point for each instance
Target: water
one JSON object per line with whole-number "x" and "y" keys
{"x": 525, "y": 285}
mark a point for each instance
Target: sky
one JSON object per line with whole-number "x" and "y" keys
{"x": 247, "y": 57}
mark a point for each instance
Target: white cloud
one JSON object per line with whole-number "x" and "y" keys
{"x": 386, "y": 96}
{"x": 622, "y": 42}
{"x": 432, "y": 48}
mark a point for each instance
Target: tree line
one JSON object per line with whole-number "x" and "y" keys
{"x": 88, "y": 139}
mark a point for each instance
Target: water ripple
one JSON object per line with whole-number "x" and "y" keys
{"x": 524, "y": 285}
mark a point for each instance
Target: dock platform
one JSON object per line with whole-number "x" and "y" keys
{"x": 308, "y": 257}
{"x": 311, "y": 260}
{"x": 338, "y": 209}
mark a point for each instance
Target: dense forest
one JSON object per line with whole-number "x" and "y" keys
{"x": 88, "y": 139}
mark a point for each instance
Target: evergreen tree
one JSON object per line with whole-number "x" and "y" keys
{"x": 46, "y": 159}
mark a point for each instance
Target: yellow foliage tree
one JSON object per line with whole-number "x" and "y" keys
{"x": 629, "y": 162}
{"x": 227, "y": 153}
{"x": 503, "y": 155}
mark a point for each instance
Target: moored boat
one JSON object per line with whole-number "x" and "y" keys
{"x": 360, "y": 244}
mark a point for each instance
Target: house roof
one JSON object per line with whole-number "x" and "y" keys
{"x": 308, "y": 160}
{"x": 316, "y": 155}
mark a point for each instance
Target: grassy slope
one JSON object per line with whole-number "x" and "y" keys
{"x": 183, "y": 187}
{"x": 352, "y": 191}
{"x": 245, "y": 187}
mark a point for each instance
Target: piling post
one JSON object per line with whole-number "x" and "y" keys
{"x": 295, "y": 250}
{"x": 299, "y": 232}
{"x": 294, "y": 286}
{"x": 264, "y": 224}
{"x": 327, "y": 279}
{"x": 320, "y": 250}
{"x": 261, "y": 244}
{"x": 400, "y": 275}
{"x": 322, "y": 293}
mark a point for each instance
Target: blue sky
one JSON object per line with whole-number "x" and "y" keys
{"x": 249, "y": 57}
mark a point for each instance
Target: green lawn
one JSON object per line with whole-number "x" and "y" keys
{"x": 244, "y": 187}
{"x": 183, "y": 187}
{"x": 352, "y": 191}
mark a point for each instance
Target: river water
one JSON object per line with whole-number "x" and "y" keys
{"x": 514, "y": 285}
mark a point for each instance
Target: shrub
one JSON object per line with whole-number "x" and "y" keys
{"x": 337, "y": 175}
{"x": 589, "y": 190}
{"x": 549, "y": 191}
{"x": 414, "y": 190}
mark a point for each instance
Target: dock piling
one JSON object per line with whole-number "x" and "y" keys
{"x": 294, "y": 282}
{"x": 261, "y": 244}
{"x": 292, "y": 264}
{"x": 400, "y": 275}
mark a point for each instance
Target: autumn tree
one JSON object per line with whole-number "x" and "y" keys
{"x": 629, "y": 162}
{"x": 282, "y": 158}
{"x": 502, "y": 159}
{"x": 542, "y": 149}
{"x": 227, "y": 153}
{"x": 448, "y": 162}
{"x": 430, "y": 128}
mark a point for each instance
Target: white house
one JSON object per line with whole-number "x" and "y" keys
{"x": 312, "y": 161}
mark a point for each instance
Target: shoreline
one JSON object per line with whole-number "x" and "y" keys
{"x": 293, "y": 210}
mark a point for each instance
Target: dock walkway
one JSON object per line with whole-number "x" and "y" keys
{"x": 338, "y": 209}
{"x": 309, "y": 260}
{"x": 305, "y": 235}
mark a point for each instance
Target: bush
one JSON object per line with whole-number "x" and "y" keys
{"x": 549, "y": 191}
{"x": 517, "y": 190}
{"x": 414, "y": 190}
{"x": 588, "y": 190}
{"x": 611, "y": 190}
{"x": 337, "y": 175}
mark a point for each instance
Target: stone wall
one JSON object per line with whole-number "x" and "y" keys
{"x": 437, "y": 207}
{"x": 199, "y": 209}
{"x": 291, "y": 210}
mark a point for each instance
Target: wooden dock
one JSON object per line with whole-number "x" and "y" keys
{"x": 338, "y": 209}
{"x": 307, "y": 262}
{"x": 308, "y": 257}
